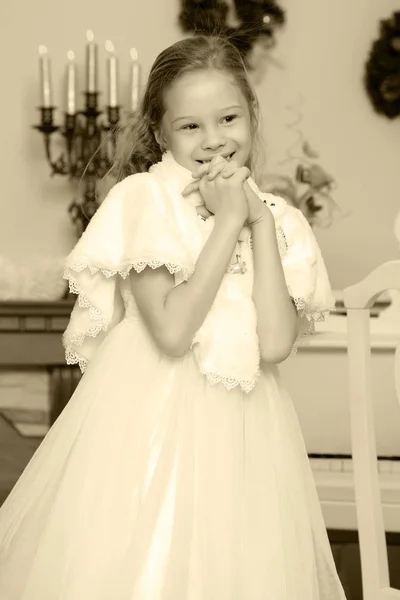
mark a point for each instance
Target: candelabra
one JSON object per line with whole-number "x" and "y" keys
{"x": 88, "y": 153}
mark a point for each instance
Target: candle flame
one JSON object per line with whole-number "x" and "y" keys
{"x": 89, "y": 35}
{"x": 110, "y": 46}
{"x": 42, "y": 50}
{"x": 71, "y": 55}
{"x": 133, "y": 53}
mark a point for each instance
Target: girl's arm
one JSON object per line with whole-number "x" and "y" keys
{"x": 174, "y": 314}
{"x": 277, "y": 322}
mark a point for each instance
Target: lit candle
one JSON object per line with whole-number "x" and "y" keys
{"x": 71, "y": 83}
{"x": 45, "y": 77}
{"x": 112, "y": 75}
{"x": 91, "y": 63}
{"x": 135, "y": 78}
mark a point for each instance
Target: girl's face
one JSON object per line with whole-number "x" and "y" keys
{"x": 206, "y": 115}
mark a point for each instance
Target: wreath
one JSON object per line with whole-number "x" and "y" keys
{"x": 255, "y": 19}
{"x": 382, "y": 74}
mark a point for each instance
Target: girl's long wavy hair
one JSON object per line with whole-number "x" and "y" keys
{"x": 137, "y": 148}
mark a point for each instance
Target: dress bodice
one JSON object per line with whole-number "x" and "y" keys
{"x": 131, "y": 309}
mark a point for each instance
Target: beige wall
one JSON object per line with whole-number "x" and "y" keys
{"x": 323, "y": 47}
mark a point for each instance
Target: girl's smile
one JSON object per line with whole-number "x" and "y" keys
{"x": 206, "y": 115}
{"x": 207, "y": 160}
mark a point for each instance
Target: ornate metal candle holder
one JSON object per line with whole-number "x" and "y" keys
{"x": 88, "y": 152}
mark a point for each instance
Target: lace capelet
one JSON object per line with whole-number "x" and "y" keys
{"x": 145, "y": 221}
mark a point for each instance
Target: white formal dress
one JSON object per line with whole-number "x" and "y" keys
{"x": 171, "y": 478}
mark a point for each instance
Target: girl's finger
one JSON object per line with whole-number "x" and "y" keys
{"x": 203, "y": 211}
{"x": 205, "y": 168}
{"x": 229, "y": 170}
{"x": 215, "y": 171}
{"x": 201, "y": 171}
{"x": 192, "y": 187}
{"x": 213, "y": 167}
{"x": 241, "y": 175}
{"x": 217, "y": 165}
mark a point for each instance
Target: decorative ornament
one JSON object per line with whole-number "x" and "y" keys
{"x": 244, "y": 22}
{"x": 310, "y": 187}
{"x": 382, "y": 74}
{"x": 237, "y": 267}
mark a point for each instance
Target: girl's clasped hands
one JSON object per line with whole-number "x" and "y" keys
{"x": 224, "y": 189}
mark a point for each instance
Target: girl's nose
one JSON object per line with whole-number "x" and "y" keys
{"x": 212, "y": 141}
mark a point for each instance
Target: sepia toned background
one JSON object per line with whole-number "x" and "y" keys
{"x": 323, "y": 49}
{"x": 314, "y": 80}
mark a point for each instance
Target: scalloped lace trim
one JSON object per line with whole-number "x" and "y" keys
{"x": 230, "y": 382}
{"x": 312, "y": 317}
{"x": 316, "y": 315}
{"x": 100, "y": 322}
{"x": 138, "y": 265}
{"x": 282, "y": 241}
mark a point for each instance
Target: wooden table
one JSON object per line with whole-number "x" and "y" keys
{"x": 30, "y": 337}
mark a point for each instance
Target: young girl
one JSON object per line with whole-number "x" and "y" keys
{"x": 178, "y": 470}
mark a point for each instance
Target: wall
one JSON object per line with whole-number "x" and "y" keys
{"x": 323, "y": 47}
{"x": 33, "y": 206}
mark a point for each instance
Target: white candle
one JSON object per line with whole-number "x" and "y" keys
{"x": 112, "y": 75}
{"x": 91, "y": 63}
{"x": 71, "y": 83}
{"x": 135, "y": 78}
{"x": 45, "y": 78}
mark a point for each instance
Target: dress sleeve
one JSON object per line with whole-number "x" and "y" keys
{"x": 134, "y": 227}
{"x": 305, "y": 271}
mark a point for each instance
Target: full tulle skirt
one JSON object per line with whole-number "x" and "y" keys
{"x": 154, "y": 484}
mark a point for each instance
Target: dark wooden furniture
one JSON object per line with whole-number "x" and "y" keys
{"x": 30, "y": 338}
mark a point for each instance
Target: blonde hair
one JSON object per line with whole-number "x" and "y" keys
{"x": 137, "y": 148}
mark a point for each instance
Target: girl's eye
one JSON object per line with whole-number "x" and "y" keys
{"x": 229, "y": 118}
{"x": 189, "y": 127}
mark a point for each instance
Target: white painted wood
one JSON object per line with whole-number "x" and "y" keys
{"x": 358, "y": 299}
{"x": 323, "y": 410}
{"x": 364, "y": 293}
{"x": 397, "y": 371}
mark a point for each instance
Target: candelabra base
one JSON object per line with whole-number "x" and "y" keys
{"x": 90, "y": 147}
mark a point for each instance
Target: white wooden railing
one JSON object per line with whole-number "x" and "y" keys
{"x": 358, "y": 299}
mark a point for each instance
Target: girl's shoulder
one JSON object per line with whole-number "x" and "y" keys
{"x": 139, "y": 188}
{"x": 134, "y": 181}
